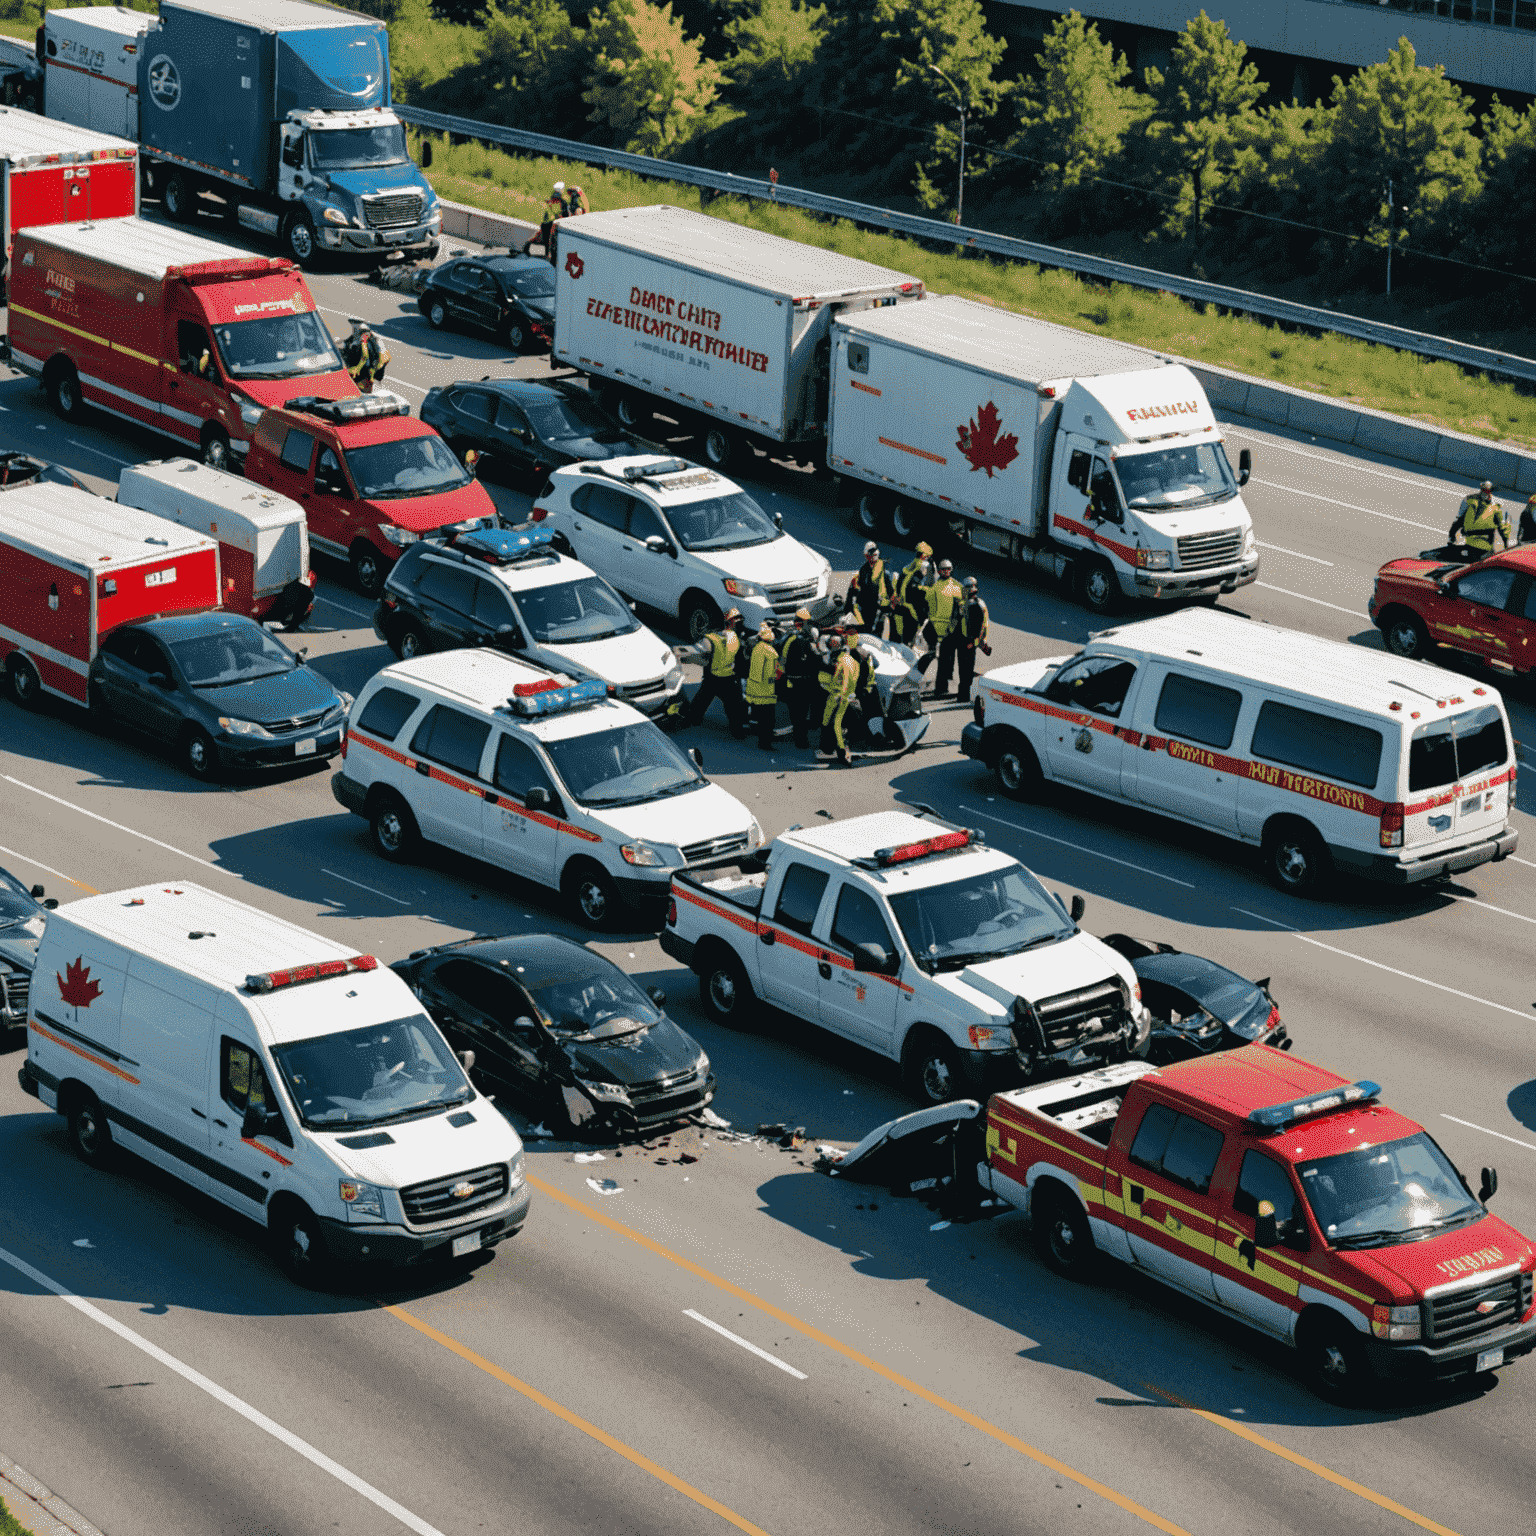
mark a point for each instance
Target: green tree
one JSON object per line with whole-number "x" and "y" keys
{"x": 530, "y": 65}
{"x": 771, "y": 47}
{"x": 648, "y": 82}
{"x": 1199, "y": 112}
{"x": 1503, "y": 218}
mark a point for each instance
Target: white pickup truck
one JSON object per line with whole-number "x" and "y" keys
{"x": 907, "y": 935}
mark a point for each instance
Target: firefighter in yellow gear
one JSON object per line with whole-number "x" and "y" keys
{"x": 1479, "y": 520}
{"x": 945, "y": 598}
{"x": 799, "y": 678}
{"x": 841, "y": 681}
{"x": 1527, "y": 531}
{"x": 724, "y": 659}
{"x": 763, "y": 674}
{"x": 973, "y": 637}
{"x": 365, "y": 355}
{"x": 869, "y": 591}
{"x": 907, "y": 607}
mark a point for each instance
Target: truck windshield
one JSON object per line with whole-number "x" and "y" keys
{"x": 722, "y": 522}
{"x": 575, "y": 612}
{"x": 627, "y": 766}
{"x": 372, "y": 1075}
{"x": 411, "y": 466}
{"x": 1172, "y": 479}
{"x": 980, "y": 918}
{"x": 280, "y": 347}
{"x": 1447, "y": 751}
{"x": 1394, "y": 1193}
{"x": 347, "y": 149}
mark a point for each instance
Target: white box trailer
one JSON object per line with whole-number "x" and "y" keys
{"x": 92, "y": 66}
{"x": 263, "y": 538}
{"x": 723, "y": 327}
{"x": 1077, "y": 454}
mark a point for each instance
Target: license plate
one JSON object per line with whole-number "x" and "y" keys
{"x": 305, "y": 748}
{"x": 471, "y": 1241}
{"x": 1489, "y": 1359}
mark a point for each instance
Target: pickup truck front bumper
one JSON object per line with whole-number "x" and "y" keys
{"x": 358, "y": 1243}
{"x": 1433, "y": 866}
{"x": 1425, "y": 1362}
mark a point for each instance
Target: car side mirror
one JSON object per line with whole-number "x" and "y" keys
{"x": 1266, "y": 1230}
{"x": 159, "y": 680}
{"x": 466, "y": 1060}
{"x": 537, "y": 798}
{"x": 698, "y": 758}
{"x": 1244, "y": 466}
{"x": 657, "y": 996}
{"x": 510, "y": 636}
{"x": 1079, "y": 906}
{"x": 874, "y": 958}
{"x": 257, "y": 1122}
{"x": 38, "y": 893}
{"x": 660, "y": 546}
{"x": 1490, "y": 1185}
{"x": 778, "y": 519}
{"x": 50, "y": 903}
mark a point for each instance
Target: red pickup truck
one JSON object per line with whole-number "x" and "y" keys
{"x": 1282, "y": 1195}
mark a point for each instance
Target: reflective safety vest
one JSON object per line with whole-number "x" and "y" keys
{"x": 944, "y": 599}
{"x": 973, "y": 622}
{"x": 1481, "y": 520}
{"x": 911, "y": 575}
{"x": 762, "y": 675}
{"x": 870, "y": 587}
{"x": 843, "y": 679}
{"x": 722, "y": 653}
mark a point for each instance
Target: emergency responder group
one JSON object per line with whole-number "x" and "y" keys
{"x": 1480, "y": 520}
{"x": 818, "y": 678}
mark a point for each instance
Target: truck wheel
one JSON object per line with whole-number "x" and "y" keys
{"x": 930, "y": 1068}
{"x": 1063, "y": 1237}
{"x": 632, "y": 413}
{"x": 591, "y": 891}
{"x": 1405, "y": 634}
{"x": 22, "y": 682}
{"x": 64, "y": 392}
{"x": 297, "y": 1245}
{"x": 436, "y": 313}
{"x": 178, "y": 199}
{"x": 299, "y": 237}
{"x": 699, "y": 615}
{"x": 869, "y": 513}
{"x": 906, "y": 523}
{"x": 1332, "y": 1362}
{"x": 722, "y": 447}
{"x": 89, "y": 1133}
{"x": 367, "y": 569}
{"x": 395, "y": 835}
{"x": 199, "y": 756}
{"x": 515, "y": 335}
{"x": 1097, "y": 588}
{"x": 724, "y": 989}
{"x": 1017, "y": 769}
{"x": 216, "y": 448}
{"x": 1295, "y": 857}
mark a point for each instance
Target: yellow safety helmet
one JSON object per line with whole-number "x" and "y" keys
{"x": 925, "y": 549}
{"x": 805, "y": 613}
{"x": 765, "y": 630}
{"x": 732, "y": 616}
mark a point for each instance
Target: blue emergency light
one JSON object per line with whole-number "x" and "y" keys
{"x": 552, "y": 698}
{"x": 1276, "y": 1117}
{"x": 499, "y": 546}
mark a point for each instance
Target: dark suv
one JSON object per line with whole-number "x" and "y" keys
{"x": 512, "y": 297}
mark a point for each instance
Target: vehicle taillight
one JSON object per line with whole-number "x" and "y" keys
{"x": 1274, "y": 1016}
{"x": 344, "y": 736}
{"x": 979, "y": 709}
{"x": 1392, "y": 826}
{"x": 672, "y": 913}
{"x": 538, "y": 514}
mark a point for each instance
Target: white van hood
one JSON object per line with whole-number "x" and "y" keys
{"x": 621, "y": 659}
{"x": 692, "y": 818}
{"x": 1035, "y": 974}
{"x": 429, "y": 1148}
{"x": 1023, "y": 675}
{"x": 784, "y": 560}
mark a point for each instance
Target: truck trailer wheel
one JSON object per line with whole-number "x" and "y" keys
{"x": 630, "y": 410}
{"x": 869, "y": 513}
{"x": 179, "y": 198}
{"x": 1063, "y": 1237}
{"x": 722, "y": 447}
{"x": 299, "y": 237}
{"x": 1097, "y": 588}
{"x": 63, "y": 385}
{"x": 907, "y": 523}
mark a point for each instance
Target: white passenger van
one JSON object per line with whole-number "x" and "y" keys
{"x": 1324, "y": 755}
{"x": 294, "y": 1080}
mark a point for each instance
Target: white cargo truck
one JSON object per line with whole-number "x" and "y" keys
{"x": 723, "y": 328}
{"x": 1086, "y": 458}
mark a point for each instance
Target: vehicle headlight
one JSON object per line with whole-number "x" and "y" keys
{"x": 1250, "y": 545}
{"x": 335, "y": 216}
{"x": 344, "y": 702}
{"x": 1154, "y": 559}
{"x": 1396, "y": 1323}
{"x": 701, "y": 1066}
{"x": 243, "y": 727}
{"x": 515, "y": 1174}
{"x": 608, "y": 1093}
{"x": 398, "y": 535}
{"x": 739, "y": 588}
{"x": 991, "y": 1037}
{"x": 250, "y": 411}
{"x": 363, "y": 1202}
{"x": 436, "y": 216}
{"x": 649, "y": 855}
{"x": 674, "y": 675}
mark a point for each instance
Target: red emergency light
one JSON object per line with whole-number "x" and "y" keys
{"x": 274, "y": 981}
{"x": 905, "y": 853}
{"x": 527, "y": 690}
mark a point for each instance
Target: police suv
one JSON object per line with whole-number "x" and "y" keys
{"x": 527, "y": 769}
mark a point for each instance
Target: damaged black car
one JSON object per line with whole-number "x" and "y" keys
{"x": 564, "y": 1030}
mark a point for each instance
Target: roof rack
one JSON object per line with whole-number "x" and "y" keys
{"x": 1275, "y": 1117}
{"x": 362, "y": 408}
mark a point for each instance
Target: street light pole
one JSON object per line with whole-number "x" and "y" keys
{"x": 960, "y": 98}
{"x": 1391, "y": 214}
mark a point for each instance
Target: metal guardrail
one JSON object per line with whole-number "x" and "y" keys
{"x": 1239, "y": 300}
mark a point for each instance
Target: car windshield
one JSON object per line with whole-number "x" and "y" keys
{"x": 601, "y": 1003}
{"x": 1171, "y": 479}
{"x": 17, "y": 904}
{"x": 236, "y": 653}
{"x": 346, "y": 149}
{"x": 278, "y": 347}
{"x": 575, "y": 612}
{"x": 624, "y": 766}
{"x": 1454, "y": 749}
{"x": 978, "y": 918}
{"x": 557, "y": 420}
{"x": 410, "y": 466}
{"x": 372, "y": 1075}
{"x": 722, "y": 522}
{"x": 532, "y": 279}
{"x": 1392, "y": 1193}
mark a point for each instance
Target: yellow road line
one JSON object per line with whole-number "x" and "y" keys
{"x": 964, "y": 1415}
{"x": 506, "y": 1378}
{"x": 1327, "y": 1474}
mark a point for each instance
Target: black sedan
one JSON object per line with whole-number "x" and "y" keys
{"x": 564, "y": 1029}
{"x": 22, "y": 913}
{"x": 1199, "y": 1006}
{"x": 512, "y": 297}
{"x": 524, "y": 429}
{"x": 220, "y": 689}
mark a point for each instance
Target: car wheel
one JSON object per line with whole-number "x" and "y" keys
{"x": 300, "y": 239}
{"x": 1097, "y": 588}
{"x": 1405, "y": 635}
{"x": 367, "y": 569}
{"x": 89, "y": 1133}
{"x": 64, "y": 392}
{"x": 437, "y": 313}
{"x": 699, "y": 615}
{"x": 98, "y": 712}
{"x": 515, "y": 335}
{"x": 721, "y": 447}
{"x": 593, "y": 894}
{"x": 1333, "y": 1363}
{"x": 1017, "y": 769}
{"x": 216, "y": 449}
{"x": 1063, "y": 1238}
{"x": 1295, "y": 858}
{"x": 725, "y": 991}
{"x": 395, "y": 834}
{"x": 297, "y": 1244}
{"x": 22, "y": 683}
{"x": 178, "y": 199}
{"x": 199, "y": 756}
{"x": 408, "y": 643}
{"x": 930, "y": 1067}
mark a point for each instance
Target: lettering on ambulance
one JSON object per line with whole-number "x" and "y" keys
{"x": 1470, "y": 1263}
{"x": 1174, "y": 408}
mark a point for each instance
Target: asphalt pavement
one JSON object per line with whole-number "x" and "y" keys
{"x": 737, "y": 1341}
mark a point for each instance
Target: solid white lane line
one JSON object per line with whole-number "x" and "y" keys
{"x": 229, "y": 1400}
{"x": 1140, "y": 869}
{"x": 331, "y": 602}
{"x": 1349, "y": 506}
{"x": 1512, "y": 1140}
{"x": 1502, "y": 911}
{"x": 180, "y": 853}
{"x": 11, "y": 853}
{"x": 370, "y": 889}
{"x": 1513, "y": 859}
{"x": 100, "y": 453}
{"x": 1295, "y": 554}
{"x": 1392, "y": 970}
{"x": 1284, "y": 592}
{"x": 762, "y": 1354}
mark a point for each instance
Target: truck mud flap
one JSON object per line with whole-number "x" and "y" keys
{"x": 932, "y": 1154}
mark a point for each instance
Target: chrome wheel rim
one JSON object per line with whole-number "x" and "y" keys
{"x": 1291, "y": 863}
{"x": 1403, "y": 639}
{"x": 1096, "y": 586}
{"x": 1010, "y": 771}
{"x": 593, "y": 900}
{"x": 1063, "y": 1240}
{"x": 938, "y": 1080}
{"x": 197, "y": 754}
{"x": 23, "y": 683}
{"x": 436, "y": 314}
{"x": 67, "y": 396}
{"x": 722, "y": 991}
{"x": 300, "y": 241}
{"x": 1333, "y": 1366}
{"x": 88, "y": 1132}
{"x": 410, "y": 644}
{"x": 390, "y": 831}
{"x": 216, "y": 453}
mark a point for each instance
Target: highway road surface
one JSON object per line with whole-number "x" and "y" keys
{"x": 737, "y": 1341}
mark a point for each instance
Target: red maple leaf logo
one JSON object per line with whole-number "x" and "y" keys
{"x": 575, "y": 265}
{"x": 980, "y": 443}
{"x": 79, "y": 991}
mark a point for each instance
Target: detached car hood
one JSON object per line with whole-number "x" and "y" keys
{"x": 1479, "y": 1248}
{"x": 662, "y": 1050}
{"x": 783, "y": 560}
{"x": 268, "y": 699}
{"x": 421, "y": 514}
{"x": 424, "y": 1149}
{"x": 702, "y": 813}
{"x": 621, "y": 659}
{"x": 1036, "y": 974}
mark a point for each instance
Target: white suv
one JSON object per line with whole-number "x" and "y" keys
{"x": 684, "y": 541}
{"x": 526, "y": 769}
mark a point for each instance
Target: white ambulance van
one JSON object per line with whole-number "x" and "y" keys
{"x": 1327, "y": 757}
{"x": 294, "y": 1080}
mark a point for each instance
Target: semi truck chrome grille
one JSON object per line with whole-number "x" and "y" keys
{"x": 1200, "y": 550}
{"x": 392, "y": 209}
